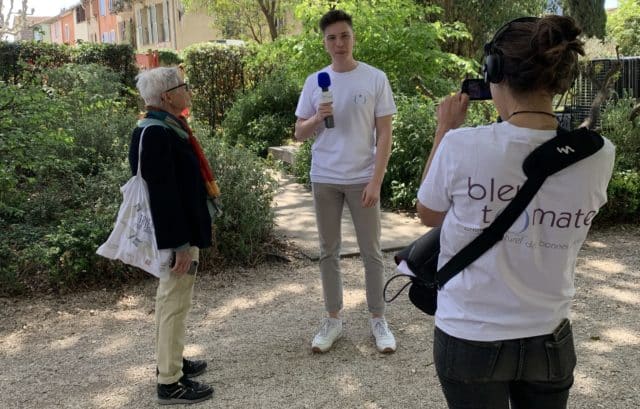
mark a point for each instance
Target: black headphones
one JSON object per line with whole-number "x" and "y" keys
{"x": 493, "y": 67}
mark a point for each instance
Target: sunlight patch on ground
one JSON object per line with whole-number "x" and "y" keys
{"x": 115, "y": 345}
{"x": 12, "y": 343}
{"x": 625, "y": 296}
{"x": 606, "y": 266}
{"x": 112, "y": 398}
{"x": 364, "y": 350}
{"x": 65, "y": 343}
{"x": 596, "y": 244}
{"x": 414, "y": 328}
{"x": 193, "y": 350}
{"x": 371, "y": 405}
{"x": 348, "y": 384}
{"x": 130, "y": 315}
{"x": 598, "y": 346}
{"x": 622, "y": 336}
{"x": 130, "y": 301}
{"x": 135, "y": 373}
{"x": 584, "y": 383}
{"x": 244, "y": 303}
{"x": 353, "y": 298}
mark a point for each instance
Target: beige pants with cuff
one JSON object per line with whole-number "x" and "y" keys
{"x": 173, "y": 302}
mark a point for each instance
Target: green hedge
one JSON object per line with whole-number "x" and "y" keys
{"x": 119, "y": 57}
{"x": 624, "y": 189}
{"x": 63, "y": 158}
{"x": 168, "y": 57}
{"x": 26, "y": 61}
{"x": 263, "y": 116}
{"x": 245, "y": 228}
{"x": 216, "y": 74}
{"x": 61, "y": 164}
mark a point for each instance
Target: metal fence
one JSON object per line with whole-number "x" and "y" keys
{"x": 584, "y": 89}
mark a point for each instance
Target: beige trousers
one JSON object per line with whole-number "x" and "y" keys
{"x": 173, "y": 302}
{"x": 329, "y": 200}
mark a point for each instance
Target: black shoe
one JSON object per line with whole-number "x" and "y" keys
{"x": 195, "y": 385}
{"x": 191, "y": 369}
{"x": 184, "y": 391}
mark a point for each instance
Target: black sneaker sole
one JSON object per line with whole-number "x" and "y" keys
{"x": 179, "y": 401}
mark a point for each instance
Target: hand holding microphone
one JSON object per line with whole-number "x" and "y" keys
{"x": 324, "y": 81}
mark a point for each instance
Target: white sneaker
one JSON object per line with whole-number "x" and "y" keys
{"x": 385, "y": 341}
{"x": 330, "y": 331}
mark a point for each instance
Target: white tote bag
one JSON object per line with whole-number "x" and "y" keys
{"x": 133, "y": 238}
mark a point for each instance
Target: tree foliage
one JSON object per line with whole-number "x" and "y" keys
{"x": 589, "y": 14}
{"x": 624, "y": 26}
{"x": 481, "y": 18}
{"x": 392, "y": 35}
{"x": 258, "y": 20}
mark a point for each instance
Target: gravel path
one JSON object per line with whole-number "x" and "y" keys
{"x": 95, "y": 349}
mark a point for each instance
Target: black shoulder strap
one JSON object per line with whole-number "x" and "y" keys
{"x": 565, "y": 149}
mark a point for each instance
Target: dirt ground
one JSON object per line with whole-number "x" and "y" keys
{"x": 96, "y": 349}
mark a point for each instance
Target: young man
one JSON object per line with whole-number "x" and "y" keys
{"x": 348, "y": 165}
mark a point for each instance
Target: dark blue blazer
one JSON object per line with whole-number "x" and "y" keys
{"x": 176, "y": 188}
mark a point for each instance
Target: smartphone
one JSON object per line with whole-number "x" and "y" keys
{"x": 476, "y": 88}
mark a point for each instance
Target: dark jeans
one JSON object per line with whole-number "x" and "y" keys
{"x": 532, "y": 373}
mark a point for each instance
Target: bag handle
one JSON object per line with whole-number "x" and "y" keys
{"x": 563, "y": 150}
{"x": 139, "y": 172}
{"x": 384, "y": 290}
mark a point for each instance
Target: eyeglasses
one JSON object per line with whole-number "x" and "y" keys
{"x": 184, "y": 84}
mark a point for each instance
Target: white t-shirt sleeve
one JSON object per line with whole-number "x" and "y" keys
{"x": 305, "y": 108}
{"x": 608, "y": 154}
{"x": 385, "y": 105}
{"x": 434, "y": 192}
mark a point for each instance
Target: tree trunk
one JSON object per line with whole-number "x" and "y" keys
{"x": 269, "y": 10}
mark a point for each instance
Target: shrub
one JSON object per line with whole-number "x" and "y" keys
{"x": 87, "y": 82}
{"x": 119, "y": 57}
{"x": 623, "y": 204}
{"x": 168, "y": 57}
{"x": 62, "y": 157}
{"x": 216, "y": 73}
{"x": 413, "y": 130}
{"x": 263, "y": 116}
{"x": 248, "y": 188}
{"x": 25, "y": 61}
{"x": 302, "y": 163}
{"x": 616, "y": 126}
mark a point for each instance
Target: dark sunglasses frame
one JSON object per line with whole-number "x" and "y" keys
{"x": 184, "y": 84}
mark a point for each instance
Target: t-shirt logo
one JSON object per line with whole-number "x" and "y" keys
{"x": 360, "y": 99}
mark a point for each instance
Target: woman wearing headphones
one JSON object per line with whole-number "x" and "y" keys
{"x": 502, "y": 329}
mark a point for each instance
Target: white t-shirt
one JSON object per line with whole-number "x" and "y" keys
{"x": 523, "y": 285}
{"x": 345, "y": 154}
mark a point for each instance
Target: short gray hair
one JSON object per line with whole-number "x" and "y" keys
{"x": 152, "y": 83}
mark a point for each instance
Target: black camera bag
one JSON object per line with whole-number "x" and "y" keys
{"x": 421, "y": 256}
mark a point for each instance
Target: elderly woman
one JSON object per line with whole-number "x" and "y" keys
{"x": 182, "y": 192}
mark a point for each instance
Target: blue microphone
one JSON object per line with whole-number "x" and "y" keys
{"x": 324, "y": 81}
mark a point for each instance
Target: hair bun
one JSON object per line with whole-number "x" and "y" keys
{"x": 542, "y": 54}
